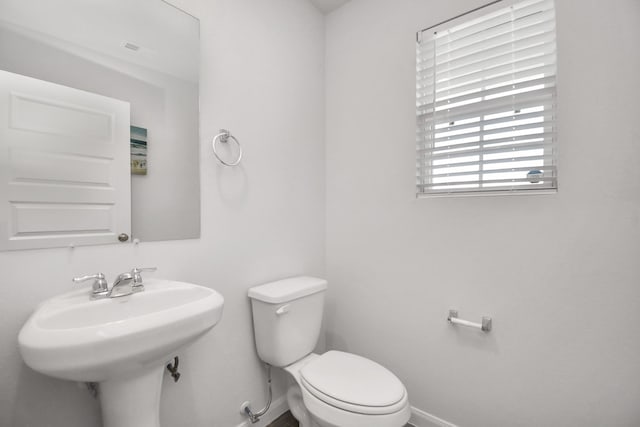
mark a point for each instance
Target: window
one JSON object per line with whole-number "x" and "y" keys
{"x": 485, "y": 97}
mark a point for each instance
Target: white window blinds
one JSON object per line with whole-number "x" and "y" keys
{"x": 485, "y": 98}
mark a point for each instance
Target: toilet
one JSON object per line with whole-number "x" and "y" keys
{"x": 334, "y": 389}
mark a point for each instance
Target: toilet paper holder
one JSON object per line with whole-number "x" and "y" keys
{"x": 485, "y": 326}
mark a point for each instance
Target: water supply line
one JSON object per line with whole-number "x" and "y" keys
{"x": 255, "y": 417}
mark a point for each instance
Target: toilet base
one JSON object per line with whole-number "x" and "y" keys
{"x": 297, "y": 408}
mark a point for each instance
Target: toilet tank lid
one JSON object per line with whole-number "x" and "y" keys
{"x": 287, "y": 289}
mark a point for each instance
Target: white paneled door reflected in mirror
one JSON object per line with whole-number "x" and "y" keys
{"x": 100, "y": 135}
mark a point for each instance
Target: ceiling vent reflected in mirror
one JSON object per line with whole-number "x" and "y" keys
{"x": 131, "y": 46}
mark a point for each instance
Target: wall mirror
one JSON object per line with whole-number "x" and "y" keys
{"x": 99, "y": 122}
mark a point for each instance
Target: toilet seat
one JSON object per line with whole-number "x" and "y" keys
{"x": 353, "y": 383}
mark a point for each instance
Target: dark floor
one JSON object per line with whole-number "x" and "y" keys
{"x": 287, "y": 420}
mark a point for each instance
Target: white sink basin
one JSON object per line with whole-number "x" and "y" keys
{"x": 118, "y": 341}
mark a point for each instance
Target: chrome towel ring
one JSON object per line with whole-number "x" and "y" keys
{"x": 224, "y": 137}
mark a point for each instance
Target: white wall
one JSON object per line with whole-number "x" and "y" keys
{"x": 558, "y": 273}
{"x": 261, "y": 77}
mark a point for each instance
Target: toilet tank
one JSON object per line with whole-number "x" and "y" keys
{"x": 287, "y": 316}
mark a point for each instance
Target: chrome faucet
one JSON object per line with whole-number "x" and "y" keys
{"x": 133, "y": 279}
{"x": 123, "y": 279}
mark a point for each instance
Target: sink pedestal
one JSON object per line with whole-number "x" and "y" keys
{"x": 132, "y": 400}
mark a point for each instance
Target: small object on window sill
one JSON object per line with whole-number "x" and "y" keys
{"x": 534, "y": 176}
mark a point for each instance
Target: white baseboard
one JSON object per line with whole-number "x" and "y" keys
{"x": 423, "y": 419}
{"x": 278, "y": 407}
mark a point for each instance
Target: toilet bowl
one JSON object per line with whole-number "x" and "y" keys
{"x": 334, "y": 389}
{"x": 345, "y": 390}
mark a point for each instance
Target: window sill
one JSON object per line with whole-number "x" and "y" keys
{"x": 488, "y": 193}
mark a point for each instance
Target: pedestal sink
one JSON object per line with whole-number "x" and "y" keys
{"x": 121, "y": 343}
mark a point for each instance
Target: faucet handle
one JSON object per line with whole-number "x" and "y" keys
{"x": 137, "y": 277}
{"x": 141, "y": 269}
{"x": 100, "y": 285}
